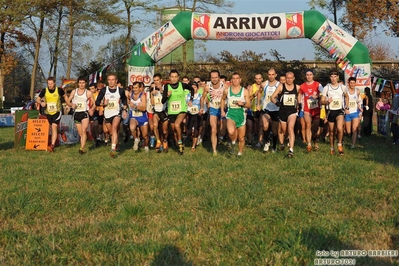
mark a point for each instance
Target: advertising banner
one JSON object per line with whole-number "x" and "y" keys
{"x": 6, "y": 120}
{"x": 37, "y": 135}
{"x": 21, "y": 126}
{"x": 248, "y": 27}
{"x": 141, "y": 74}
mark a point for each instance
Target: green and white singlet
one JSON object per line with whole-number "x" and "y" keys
{"x": 235, "y": 112}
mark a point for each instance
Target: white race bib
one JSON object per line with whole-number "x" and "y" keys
{"x": 289, "y": 99}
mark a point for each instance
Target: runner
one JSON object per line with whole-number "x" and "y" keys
{"x": 352, "y": 111}
{"x": 253, "y": 114}
{"x": 50, "y": 98}
{"x": 215, "y": 90}
{"x": 285, "y": 97}
{"x": 309, "y": 97}
{"x": 335, "y": 97}
{"x": 82, "y": 101}
{"x": 237, "y": 99}
{"x": 161, "y": 121}
{"x": 175, "y": 95}
{"x": 270, "y": 112}
{"x": 111, "y": 97}
{"x": 138, "y": 115}
{"x": 194, "y": 120}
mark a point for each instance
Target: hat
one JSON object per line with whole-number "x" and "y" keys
{"x": 194, "y": 83}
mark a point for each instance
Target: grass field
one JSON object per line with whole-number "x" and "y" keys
{"x": 142, "y": 208}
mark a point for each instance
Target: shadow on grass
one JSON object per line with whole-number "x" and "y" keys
{"x": 170, "y": 255}
{"x": 319, "y": 243}
{"x": 380, "y": 149}
{"x": 7, "y": 145}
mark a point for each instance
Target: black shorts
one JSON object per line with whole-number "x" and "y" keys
{"x": 283, "y": 115}
{"x": 333, "y": 114}
{"x": 273, "y": 115}
{"x": 79, "y": 116}
{"x": 162, "y": 116}
{"x": 54, "y": 119}
{"x": 111, "y": 119}
{"x": 172, "y": 118}
{"x": 205, "y": 117}
{"x": 257, "y": 114}
{"x": 250, "y": 117}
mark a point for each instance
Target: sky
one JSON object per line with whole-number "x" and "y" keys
{"x": 290, "y": 49}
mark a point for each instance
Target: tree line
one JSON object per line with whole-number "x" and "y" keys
{"x": 39, "y": 38}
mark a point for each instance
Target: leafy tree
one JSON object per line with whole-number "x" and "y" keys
{"x": 11, "y": 17}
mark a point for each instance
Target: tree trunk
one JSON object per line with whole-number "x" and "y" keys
{"x": 70, "y": 43}
{"x": 2, "y": 66}
{"x": 127, "y": 40}
{"x": 57, "y": 43}
{"x": 184, "y": 51}
{"x": 36, "y": 60}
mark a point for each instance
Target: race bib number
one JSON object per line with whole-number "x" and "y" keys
{"x": 336, "y": 104}
{"x": 289, "y": 99}
{"x": 352, "y": 105}
{"x": 233, "y": 103}
{"x": 80, "y": 106}
{"x": 175, "y": 106}
{"x": 215, "y": 104}
{"x": 137, "y": 113}
{"x": 158, "y": 102}
{"x": 193, "y": 110}
{"x": 51, "y": 107}
{"x": 113, "y": 105}
{"x": 313, "y": 103}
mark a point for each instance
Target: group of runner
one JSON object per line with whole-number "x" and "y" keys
{"x": 235, "y": 113}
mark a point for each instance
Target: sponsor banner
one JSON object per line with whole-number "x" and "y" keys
{"x": 295, "y": 25}
{"x": 362, "y": 74}
{"x": 248, "y": 26}
{"x": 141, "y": 74}
{"x": 7, "y": 120}
{"x": 162, "y": 42}
{"x": 21, "y": 126}
{"x": 37, "y": 135}
{"x": 200, "y": 26}
{"x": 67, "y": 132}
{"x": 335, "y": 40}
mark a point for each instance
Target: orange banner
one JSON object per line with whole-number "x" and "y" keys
{"x": 37, "y": 135}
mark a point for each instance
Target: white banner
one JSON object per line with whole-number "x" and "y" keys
{"x": 141, "y": 74}
{"x": 248, "y": 26}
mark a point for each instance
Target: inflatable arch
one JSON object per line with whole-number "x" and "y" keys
{"x": 350, "y": 54}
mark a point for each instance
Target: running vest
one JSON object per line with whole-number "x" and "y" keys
{"x": 309, "y": 96}
{"x": 353, "y": 100}
{"x": 158, "y": 105}
{"x": 232, "y": 100}
{"x": 194, "y": 109}
{"x": 136, "y": 113}
{"x": 337, "y": 95}
{"x": 80, "y": 101}
{"x": 288, "y": 99}
{"x": 177, "y": 100}
{"x": 254, "y": 88}
{"x": 268, "y": 91}
{"x": 215, "y": 95}
{"x": 53, "y": 101}
{"x": 113, "y": 108}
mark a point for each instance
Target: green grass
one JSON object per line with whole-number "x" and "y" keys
{"x": 196, "y": 209}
